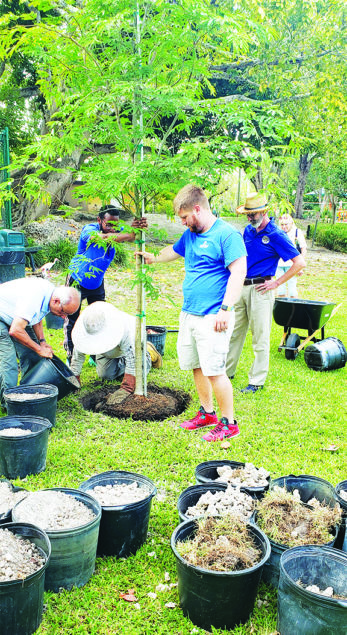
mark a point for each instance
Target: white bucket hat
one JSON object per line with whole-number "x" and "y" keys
{"x": 98, "y": 329}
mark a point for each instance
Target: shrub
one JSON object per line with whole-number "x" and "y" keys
{"x": 331, "y": 236}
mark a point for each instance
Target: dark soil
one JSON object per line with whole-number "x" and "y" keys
{"x": 159, "y": 404}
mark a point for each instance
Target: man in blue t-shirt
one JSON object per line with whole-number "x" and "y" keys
{"x": 88, "y": 267}
{"x": 215, "y": 265}
{"x": 265, "y": 244}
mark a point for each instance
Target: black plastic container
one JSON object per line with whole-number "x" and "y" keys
{"x": 328, "y": 354}
{"x": 158, "y": 338}
{"x": 52, "y": 371}
{"x": 212, "y": 598}
{"x": 54, "y": 322}
{"x": 123, "y": 529}
{"x": 207, "y": 473}
{"x": 73, "y": 554}
{"x": 304, "y": 612}
{"x": 21, "y": 601}
{"x": 20, "y": 456}
{"x": 190, "y": 496}
{"x": 45, "y": 406}
{"x": 308, "y": 487}
{"x": 342, "y": 487}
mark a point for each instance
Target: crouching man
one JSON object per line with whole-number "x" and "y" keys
{"x": 109, "y": 334}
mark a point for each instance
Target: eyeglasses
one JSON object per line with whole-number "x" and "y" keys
{"x": 252, "y": 214}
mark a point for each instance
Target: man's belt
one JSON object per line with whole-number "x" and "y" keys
{"x": 249, "y": 281}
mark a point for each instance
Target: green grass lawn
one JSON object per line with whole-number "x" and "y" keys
{"x": 286, "y": 428}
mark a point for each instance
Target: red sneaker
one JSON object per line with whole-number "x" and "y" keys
{"x": 201, "y": 419}
{"x": 223, "y": 430}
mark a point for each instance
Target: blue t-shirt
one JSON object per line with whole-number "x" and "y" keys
{"x": 95, "y": 261}
{"x": 206, "y": 259}
{"x": 265, "y": 248}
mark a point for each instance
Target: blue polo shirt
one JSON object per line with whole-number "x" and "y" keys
{"x": 265, "y": 248}
{"x": 90, "y": 263}
{"x": 206, "y": 259}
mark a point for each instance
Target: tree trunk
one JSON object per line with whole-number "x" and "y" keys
{"x": 257, "y": 179}
{"x": 304, "y": 168}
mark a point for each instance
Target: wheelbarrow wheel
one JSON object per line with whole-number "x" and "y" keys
{"x": 293, "y": 341}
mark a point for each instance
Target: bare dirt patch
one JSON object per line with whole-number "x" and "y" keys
{"x": 160, "y": 403}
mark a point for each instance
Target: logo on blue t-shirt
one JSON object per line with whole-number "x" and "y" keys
{"x": 265, "y": 240}
{"x": 204, "y": 245}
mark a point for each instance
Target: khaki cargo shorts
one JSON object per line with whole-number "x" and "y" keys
{"x": 200, "y": 346}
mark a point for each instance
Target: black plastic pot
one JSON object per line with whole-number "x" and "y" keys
{"x": 190, "y": 496}
{"x": 308, "y": 486}
{"x": 328, "y": 354}
{"x": 342, "y": 541}
{"x": 73, "y": 554}
{"x": 158, "y": 338}
{"x": 304, "y": 612}
{"x": 212, "y": 598}
{"x": 123, "y": 529}
{"x": 21, "y": 601}
{"x": 207, "y": 472}
{"x": 54, "y": 321}
{"x": 45, "y": 406}
{"x": 20, "y": 456}
{"x": 52, "y": 371}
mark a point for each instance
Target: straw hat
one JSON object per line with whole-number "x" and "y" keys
{"x": 254, "y": 203}
{"x": 98, "y": 329}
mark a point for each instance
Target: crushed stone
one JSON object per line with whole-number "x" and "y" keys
{"x": 118, "y": 494}
{"x": 25, "y": 396}
{"x": 52, "y": 510}
{"x": 14, "y": 432}
{"x": 247, "y": 476}
{"x": 231, "y": 502}
{"x": 328, "y": 592}
{"x": 19, "y": 557}
{"x": 343, "y": 494}
{"x": 8, "y": 498}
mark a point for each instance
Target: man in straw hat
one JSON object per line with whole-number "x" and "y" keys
{"x": 215, "y": 264}
{"x": 109, "y": 334}
{"x": 265, "y": 244}
{"x": 23, "y": 305}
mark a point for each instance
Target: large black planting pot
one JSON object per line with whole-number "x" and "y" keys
{"x": 21, "y": 601}
{"x": 123, "y": 528}
{"x": 20, "y": 456}
{"x": 219, "y": 599}
{"x": 342, "y": 487}
{"x": 190, "y": 496}
{"x": 52, "y": 371}
{"x": 45, "y": 406}
{"x": 304, "y": 612}
{"x": 206, "y": 472}
{"x": 308, "y": 487}
{"x": 73, "y": 554}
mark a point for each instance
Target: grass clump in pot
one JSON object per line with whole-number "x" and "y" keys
{"x": 221, "y": 544}
{"x": 288, "y": 521}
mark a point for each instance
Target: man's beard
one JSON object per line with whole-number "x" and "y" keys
{"x": 257, "y": 223}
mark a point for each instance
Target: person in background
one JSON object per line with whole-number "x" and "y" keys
{"x": 215, "y": 265}
{"x": 109, "y": 334}
{"x": 89, "y": 265}
{"x": 265, "y": 244}
{"x": 23, "y": 304}
{"x": 289, "y": 288}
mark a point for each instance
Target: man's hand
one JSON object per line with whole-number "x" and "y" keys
{"x": 149, "y": 258}
{"x": 140, "y": 223}
{"x": 222, "y": 320}
{"x": 268, "y": 285}
{"x": 45, "y": 350}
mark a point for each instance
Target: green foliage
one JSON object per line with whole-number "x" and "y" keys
{"x": 62, "y": 249}
{"x": 331, "y": 236}
{"x": 121, "y": 256}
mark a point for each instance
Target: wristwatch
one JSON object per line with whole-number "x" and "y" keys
{"x": 225, "y": 307}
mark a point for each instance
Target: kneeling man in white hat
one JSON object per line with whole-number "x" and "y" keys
{"x": 109, "y": 334}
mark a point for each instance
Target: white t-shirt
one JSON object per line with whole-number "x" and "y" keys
{"x": 26, "y": 298}
{"x": 293, "y": 236}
